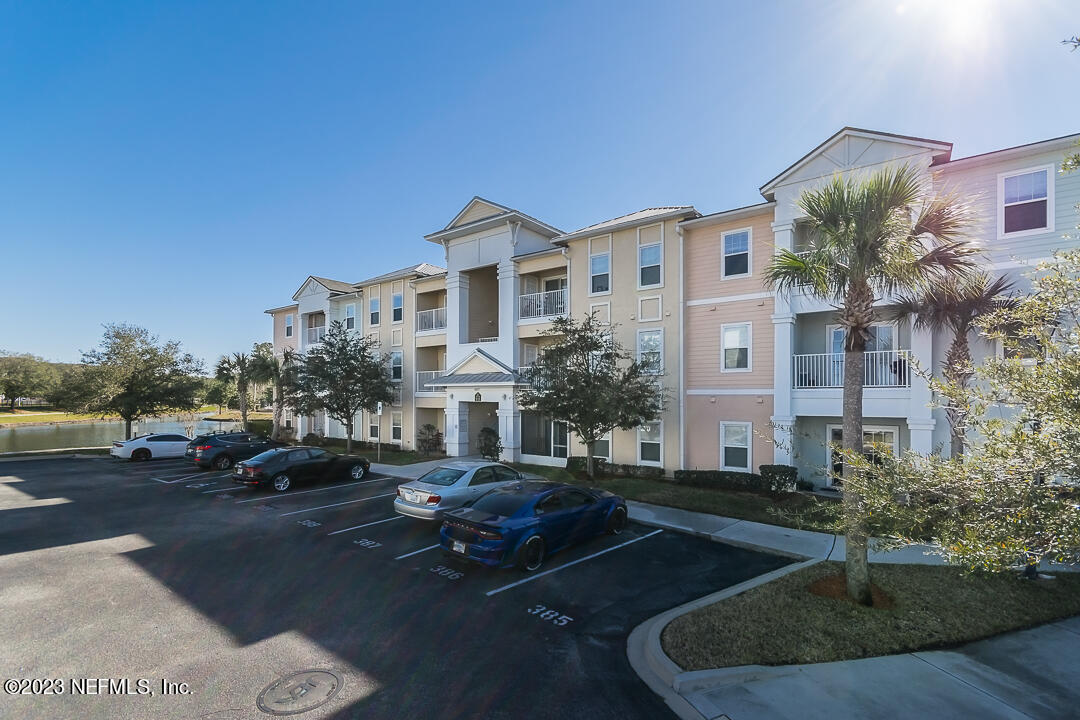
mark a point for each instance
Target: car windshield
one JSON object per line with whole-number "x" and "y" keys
{"x": 442, "y": 476}
{"x": 264, "y": 456}
{"x": 501, "y": 503}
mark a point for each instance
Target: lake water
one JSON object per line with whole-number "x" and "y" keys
{"x": 96, "y": 434}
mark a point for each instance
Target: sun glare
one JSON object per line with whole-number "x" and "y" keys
{"x": 963, "y": 22}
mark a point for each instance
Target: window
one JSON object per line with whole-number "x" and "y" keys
{"x": 602, "y": 447}
{"x": 735, "y": 347}
{"x": 540, "y": 435}
{"x": 872, "y": 435}
{"x": 397, "y": 302}
{"x": 395, "y": 426}
{"x": 373, "y": 426}
{"x": 396, "y": 399}
{"x": 288, "y": 325}
{"x": 735, "y": 446}
{"x": 650, "y": 350}
{"x": 373, "y": 308}
{"x": 1025, "y": 201}
{"x": 600, "y": 266}
{"x": 298, "y": 455}
{"x": 736, "y": 250}
{"x": 397, "y": 365}
{"x": 575, "y": 498}
{"x": 350, "y": 316}
{"x": 650, "y": 444}
{"x": 650, "y": 256}
{"x": 483, "y": 476}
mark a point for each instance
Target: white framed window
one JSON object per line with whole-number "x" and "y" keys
{"x": 888, "y": 435}
{"x": 396, "y": 337}
{"x": 395, "y": 426}
{"x": 650, "y": 241}
{"x": 397, "y": 301}
{"x": 735, "y": 348}
{"x": 288, "y": 325}
{"x": 373, "y": 426}
{"x": 601, "y": 311}
{"x": 373, "y": 306}
{"x": 541, "y": 435}
{"x": 397, "y": 365}
{"x": 396, "y": 399}
{"x": 350, "y": 316}
{"x": 650, "y": 349}
{"x": 650, "y": 442}
{"x": 650, "y": 308}
{"x": 602, "y": 447}
{"x": 600, "y": 265}
{"x": 735, "y": 442}
{"x": 735, "y": 258}
{"x": 1026, "y": 202}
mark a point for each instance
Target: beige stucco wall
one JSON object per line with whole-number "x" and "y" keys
{"x": 545, "y": 263}
{"x": 281, "y": 342}
{"x": 704, "y": 413}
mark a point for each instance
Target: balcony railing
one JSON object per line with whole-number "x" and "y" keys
{"x": 488, "y": 339}
{"x": 316, "y": 334}
{"x": 525, "y": 373}
{"x": 434, "y": 319}
{"x": 542, "y": 304}
{"x": 423, "y": 377}
{"x": 881, "y": 368}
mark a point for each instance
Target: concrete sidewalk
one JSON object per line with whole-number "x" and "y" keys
{"x": 415, "y": 470}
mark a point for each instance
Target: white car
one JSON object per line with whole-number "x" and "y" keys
{"x": 151, "y": 446}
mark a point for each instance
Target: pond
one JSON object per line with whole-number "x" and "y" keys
{"x": 97, "y": 434}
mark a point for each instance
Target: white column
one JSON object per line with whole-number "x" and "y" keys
{"x": 920, "y": 417}
{"x": 507, "y": 350}
{"x": 509, "y": 428}
{"x": 783, "y": 417}
{"x": 922, "y": 435}
{"x": 457, "y": 315}
{"x": 457, "y": 441}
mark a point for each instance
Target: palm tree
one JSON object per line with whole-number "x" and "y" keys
{"x": 268, "y": 367}
{"x": 956, "y": 304}
{"x": 237, "y": 368}
{"x": 870, "y": 237}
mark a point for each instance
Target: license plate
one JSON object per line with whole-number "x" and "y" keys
{"x": 411, "y": 496}
{"x": 459, "y": 547}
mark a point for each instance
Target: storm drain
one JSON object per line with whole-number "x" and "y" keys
{"x": 299, "y": 692}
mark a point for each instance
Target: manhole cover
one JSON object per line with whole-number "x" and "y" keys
{"x": 299, "y": 692}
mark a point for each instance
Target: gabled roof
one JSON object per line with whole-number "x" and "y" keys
{"x": 271, "y": 311}
{"x": 334, "y": 286}
{"x": 937, "y": 147}
{"x": 1063, "y": 141}
{"x": 465, "y": 223}
{"x": 421, "y": 270}
{"x": 477, "y": 209}
{"x": 477, "y": 352}
{"x": 638, "y": 217}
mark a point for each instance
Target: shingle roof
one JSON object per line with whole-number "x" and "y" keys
{"x": 629, "y": 219}
{"x": 423, "y": 269}
{"x": 335, "y": 285}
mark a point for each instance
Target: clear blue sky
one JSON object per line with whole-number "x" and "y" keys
{"x": 184, "y": 166}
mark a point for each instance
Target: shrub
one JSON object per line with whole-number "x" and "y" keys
{"x": 429, "y": 439}
{"x": 723, "y": 479}
{"x": 312, "y": 439}
{"x": 779, "y": 478}
{"x": 602, "y": 468}
{"x": 262, "y": 427}
{"x": 488, "y": 444}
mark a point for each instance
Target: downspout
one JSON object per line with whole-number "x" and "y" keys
{"x": 682, "y": 357}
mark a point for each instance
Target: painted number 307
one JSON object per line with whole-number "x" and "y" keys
{"x": 542, "y": 612}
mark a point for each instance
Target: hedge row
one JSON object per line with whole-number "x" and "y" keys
{"x": 772, "y": 479}
{"x": 603, "y": 468}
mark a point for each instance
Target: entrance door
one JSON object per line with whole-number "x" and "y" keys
{"x": 835, "y": 364}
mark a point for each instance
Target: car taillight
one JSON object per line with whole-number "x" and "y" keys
{"x": 118, "y": 444}
{"x": 489, "y": 534}
{"x": 204, "y": 447}
{"x": 433, "y": 499}
{"x": 401, "y": 492}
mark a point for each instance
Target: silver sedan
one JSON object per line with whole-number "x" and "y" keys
{"x": 450, "y": 486}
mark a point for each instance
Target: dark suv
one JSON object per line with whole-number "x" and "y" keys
{"x": 222, "y": 450}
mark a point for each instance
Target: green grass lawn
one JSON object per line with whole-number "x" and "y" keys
{"x": 782, "y": 622}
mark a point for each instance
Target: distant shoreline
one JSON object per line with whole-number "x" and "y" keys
{"x": 177, "y": 417}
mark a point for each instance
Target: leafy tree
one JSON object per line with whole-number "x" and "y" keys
{"x": 278, "y": 371}
{"x": 239, "y": 370}
{"x": 134, "y": 376}
{"x": 219, "y": 393}
{"x": 588, "y": 380}
{"x": 955, "y": 303}
{"x": 343, "y": 375}
{"x": 870, "y": 237}
{"x": 24, "y": 375}
{"x": 429, "y": 439}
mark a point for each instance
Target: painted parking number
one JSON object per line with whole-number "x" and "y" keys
{"x": 369, "y": 544}
{"x": 448, "y": 573}
{"x": 554, "y": 616}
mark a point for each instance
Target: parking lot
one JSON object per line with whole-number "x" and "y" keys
{"x": 210, "y": 592}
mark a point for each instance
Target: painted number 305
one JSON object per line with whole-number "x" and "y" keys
{"x": 542, "y": 612}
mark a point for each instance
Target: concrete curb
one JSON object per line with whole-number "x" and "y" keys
{"x": 658, "y": 671}
{"x": 58, "y": 454}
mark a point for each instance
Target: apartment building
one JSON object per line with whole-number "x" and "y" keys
{"x": 753, "y": 376}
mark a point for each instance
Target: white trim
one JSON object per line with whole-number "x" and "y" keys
{"x": 894, "y": 324}
{"x": 611, "y": 265}
{"x": 731, "y": 391}
{"x": 637, "y": 440}
{"x": 593, "y": 306}
{"x": 376, "y": 297}
{"x": 610, "y": 437}
{"x": 660, "y": 330}
{"x": 728, "y": 299}
{"x": 402, "y": 354}
{"x": 401, "y": 426}
{"x": 638, "y": 259}
{"x": 749, "y": 253}
{"x": 749, "y": 445}
{"x": 347, "y": 316}
{"x": 749, "y": 347}
{"x": 659, "y": 308}
{"x": 894, "y": 429}
{"x": 1050, "y": 170}
{"x": 392, "y": 294}
{"x": 290, "y": 330}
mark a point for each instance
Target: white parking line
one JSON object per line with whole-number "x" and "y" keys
{"x": 489, "y": 593}
{"x": 357, "y": 527}
{"x": 323, "y": 489}
{"x": 224, "y": 489}
{"x": 203, "y": 475}
{"x": 347, "y": 502}
{"x": 417, "y": 552}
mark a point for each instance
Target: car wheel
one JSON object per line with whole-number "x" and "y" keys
{"x": 222, "y": 462}
{"x": 530, "y": 556}
{"x": 358, "y": 471}
{"x": 282, "y": 482}
{"x": 616, "y": 522}
{"x": 140, "y": 455}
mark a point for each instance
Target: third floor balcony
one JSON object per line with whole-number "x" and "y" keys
{"x": 881, "y": 369}
{"x": 433, "y": 319}
{"x": 542, "y": 304}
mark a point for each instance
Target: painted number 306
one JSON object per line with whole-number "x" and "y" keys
{"x": 542, "y": 612}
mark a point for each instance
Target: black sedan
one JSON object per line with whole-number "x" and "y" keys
{"x": 282, "y": 468}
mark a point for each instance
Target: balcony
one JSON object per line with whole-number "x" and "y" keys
{"x": 881, "y": 369}
{"x": 423, "y": 377}
{"x": 542, "y": 304}
{"x": 525, "y": 376}
{"x": 316, "y": 334}
{"x": 434, "y": 319}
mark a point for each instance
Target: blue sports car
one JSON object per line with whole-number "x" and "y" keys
{"x": 523, "y": 523}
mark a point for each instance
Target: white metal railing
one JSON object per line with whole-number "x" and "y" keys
{"x": 316, "y": 334}
{"x": 881, "y": 368}
{"x": 434, "y": 319}
{"x": 423, "y": 377}
{"x": 542, "y": 304}
{"x": 489, "y": 339}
